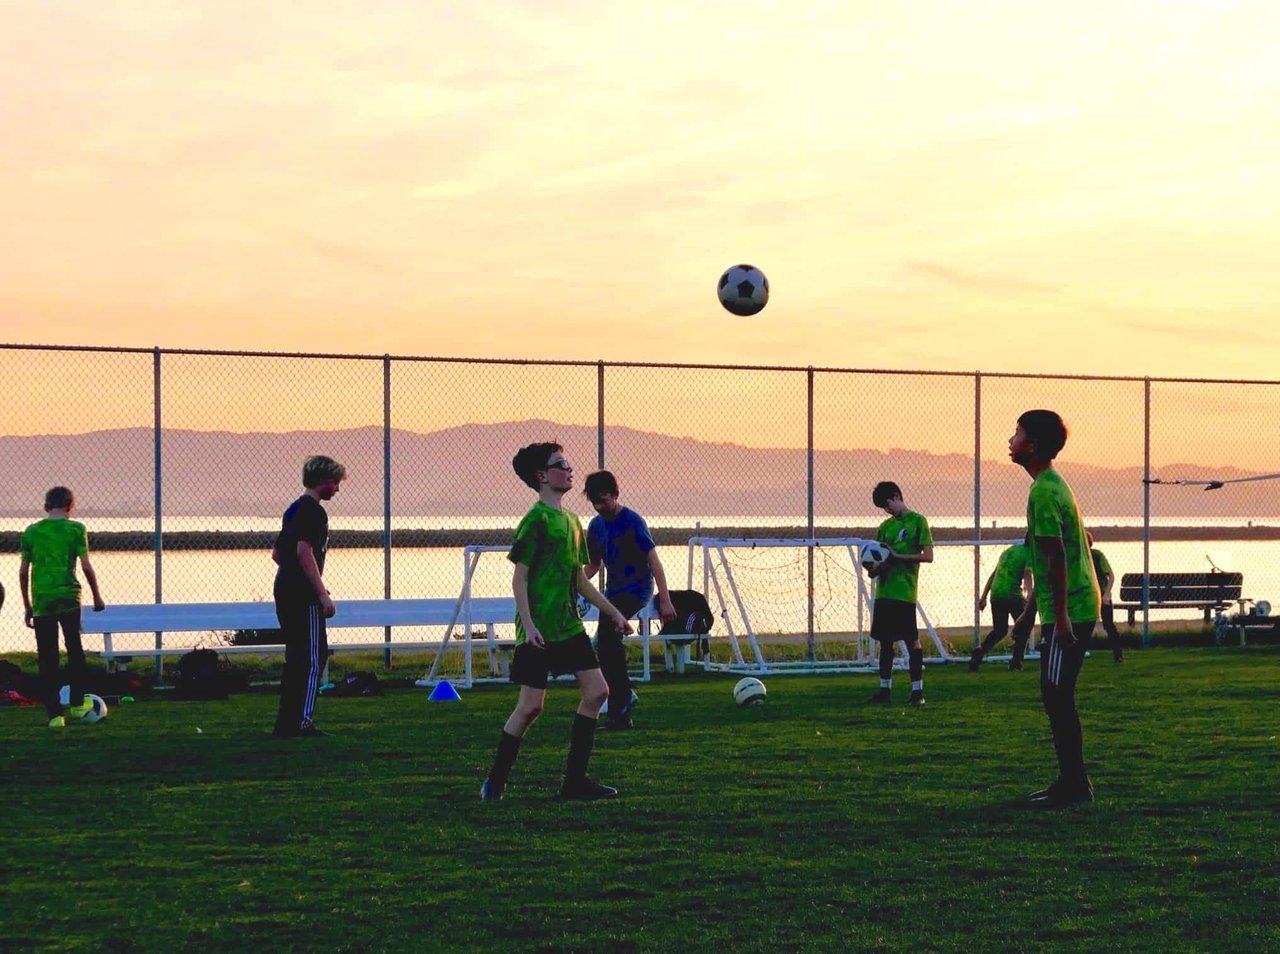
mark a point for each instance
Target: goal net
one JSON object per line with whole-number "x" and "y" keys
{"x": 805, "y": 605}
{"x": 781, "y": 605}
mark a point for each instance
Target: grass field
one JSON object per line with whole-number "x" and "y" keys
{"x": 812, "y": 823}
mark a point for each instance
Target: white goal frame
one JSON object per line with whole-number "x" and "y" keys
{"x": 722, "y": 587}
{"x": 468, "y": 616}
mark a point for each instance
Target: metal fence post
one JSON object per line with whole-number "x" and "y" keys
{"x": 809, "y": 508}
{"x": 600, "y": 415}
{"x": 1146, "y": 512}
{"x": 159, "y": 496}
{"x": 977, "y": 505}
{"x": 386, "y": 498}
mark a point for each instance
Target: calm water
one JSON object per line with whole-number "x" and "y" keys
{"x": 772, "y": 581}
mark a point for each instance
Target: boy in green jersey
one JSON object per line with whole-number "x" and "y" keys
{"x": 51, "y": 597}
{"x": 549, "y": 554}
{"x": 1106, "y": 579}
{"x": 1066, "y": 595}
{"x": 907, "y": 536}
{"x": 1007, "y": 586}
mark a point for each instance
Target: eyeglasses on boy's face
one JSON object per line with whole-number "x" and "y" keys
{"x": 558, "y": 465}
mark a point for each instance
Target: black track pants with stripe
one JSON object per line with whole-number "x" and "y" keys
{"x": 306, "y": 650}
{"x": 1059, "y": 669}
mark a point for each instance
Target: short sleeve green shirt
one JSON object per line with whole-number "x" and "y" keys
{"x": 52, "y": 547}
{"x": 1101, "y": 566}
{"x": 1052, "y": 512}
{"x": 551, "y": 544}
{"x": 1010, "y": 569}
{"x": 906, "y": 534}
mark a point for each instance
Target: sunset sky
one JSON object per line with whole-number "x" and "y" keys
{"x": 1092, "y": 186}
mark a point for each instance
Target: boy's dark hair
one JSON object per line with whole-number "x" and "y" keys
{"x": 529, "y": 460}
{"x": 59, "y": 498}
{"x": 319, "y": 470}
{"x": 885, "y": 491}
{"x": 1046, "y": 429}
{"x": 602, "y": 483}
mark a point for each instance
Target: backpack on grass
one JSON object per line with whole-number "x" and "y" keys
{"x": 200, "y": 676}
{"x": 356, "y": 684}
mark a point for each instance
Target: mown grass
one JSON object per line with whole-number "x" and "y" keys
{"x": 812, "y": 823}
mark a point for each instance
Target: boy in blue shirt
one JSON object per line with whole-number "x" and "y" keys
{"x": 619, "y": 540}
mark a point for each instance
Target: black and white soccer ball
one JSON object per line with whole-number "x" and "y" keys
{"x": 743, "y": 290}
{"x": 97, "y": 710}
{"x": 749, "y": 692}
{"x": 872, "y": 555}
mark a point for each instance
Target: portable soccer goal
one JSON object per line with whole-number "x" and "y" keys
{"x": 792, "y": 605}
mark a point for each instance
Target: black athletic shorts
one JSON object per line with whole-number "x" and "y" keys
{"x": 893, "y": 620}
{"x": 530, "y": 666}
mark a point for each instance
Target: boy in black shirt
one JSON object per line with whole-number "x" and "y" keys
{"x": 302, "y": 601}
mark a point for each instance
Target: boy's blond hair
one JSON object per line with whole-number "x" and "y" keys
{"x": 320, "y": 470}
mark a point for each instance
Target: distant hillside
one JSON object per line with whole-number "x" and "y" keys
{"x": 466, "y": 471}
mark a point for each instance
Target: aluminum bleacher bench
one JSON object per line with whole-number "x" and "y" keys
{"x": 460, "y": 618}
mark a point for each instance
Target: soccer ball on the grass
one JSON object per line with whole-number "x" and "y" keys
{"x": 97, "y": 708}
{"x": 743, "y": 290}
{"x": 873, "y": 555}
{"x": 749, "y": 692}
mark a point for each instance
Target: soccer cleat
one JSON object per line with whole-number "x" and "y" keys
{"x": 975, "y": 660}
{"x": 881, "y": 696}
{"x": 310, "y": 731}
{"x": 57, "y": 722}
{"x": 1062, "y": 797}
{"x": 917, "y": 698}
{"x": 489, "y": 793}
{"x": 1044, "y": 793}
{"x": 1119, "y": 655}
{"x": 586, "y": 790}
{"x": 1015, "y": 665}
{"x": 614, "y": 723}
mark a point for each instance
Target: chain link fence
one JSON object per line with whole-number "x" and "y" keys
{"x": 182, "y": 462}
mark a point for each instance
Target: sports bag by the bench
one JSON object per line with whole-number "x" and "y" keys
{"x": 693, "y": 618}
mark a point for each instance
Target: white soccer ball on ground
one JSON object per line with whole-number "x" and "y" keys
{"x": 97, "y": 708}
{"x": 873, "y": 555}
{"x": 743, "y": 290}
{"x": 749, "y": 692}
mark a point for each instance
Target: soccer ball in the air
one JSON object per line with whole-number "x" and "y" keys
{"x": 749, "y": 692}
{"x": 743, "y": 290}
{"x": 873, "y": 555}
{"x": 97, "y": 708}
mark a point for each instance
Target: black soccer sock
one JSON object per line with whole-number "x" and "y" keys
{"x": 582, "y": 739}
{"x": 503, "y": 759}
{"x": 1019, "y": 650}
{"x": 915, "y": 660}
{"x": 886, "y": 659}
